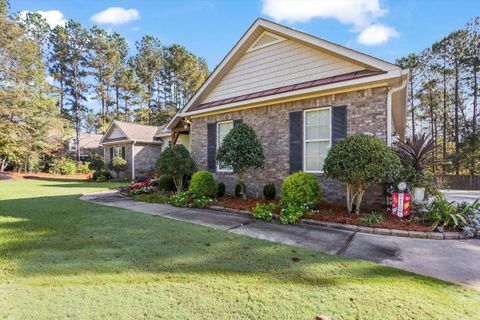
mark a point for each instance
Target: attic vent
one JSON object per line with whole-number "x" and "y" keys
{"x": 265, "y": 39}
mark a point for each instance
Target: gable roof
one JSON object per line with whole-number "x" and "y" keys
{"x": 136, "y": 132}
{"x": 385, "y": 69}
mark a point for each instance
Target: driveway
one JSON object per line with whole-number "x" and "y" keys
{"x": 462, "y": 195}
{"x": 455, "y": 261}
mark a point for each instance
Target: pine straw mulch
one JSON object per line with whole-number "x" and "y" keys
{"x": 330, "y": 213}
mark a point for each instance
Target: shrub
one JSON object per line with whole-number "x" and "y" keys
{"x": 300, "y": 188}
{"x": 82, "y": 167}
{"x": 118, "y": 165}
{"x": 221, "y": 189}
{"x": 293, "y": 212}
{"x": 372, "y": 218}
{"x": 269, "y": 191}
{"x": 101, "y": 175}
{"x": 238, "y": 190}
{"x": 264, "y": 211}
{"x": 96, "y": 162}
{"x": 165, "y": 183}
{"x": 360, "y": 161}
{"x": 35, "y": 164}
{"x": 445, "y": 213}
{"x": 241, "y": 151}
{"x": 63, "y": 166}
{"x": 177, "y": 162}
{"x": 153, "y": 198}
{"x": 471, "y": 225}
{"x": 203, "y": 184}
{"x": 184, "y": 199}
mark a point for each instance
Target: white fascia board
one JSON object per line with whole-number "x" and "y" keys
{"x": 385, "y": 76}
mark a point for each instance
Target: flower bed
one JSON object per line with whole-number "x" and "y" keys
{"x": 233, "y": 202}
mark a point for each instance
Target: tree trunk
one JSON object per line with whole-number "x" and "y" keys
{"x": 444, "y": 142}
{"x": 242, "y": 185}
{"x": 456, "y": 97}
{"x": 3, "y": 164}
{"x": 412, "y": 107}
{"x": 475, "y": 90}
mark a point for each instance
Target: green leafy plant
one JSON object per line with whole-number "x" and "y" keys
{"x": 165, "y": 183}
{"x": 82, "y": 167}
{"x": 101, "y": 175}
{"x": 264, "y": 211}
{"x": 153, "y": 198}
{"x": 371, "y": 219}
{"x": 241, "y": 151}
{"x": 184, "y": 199}
{"x": 360, "y": 161}
{"x": 293, "y": 212}
{"x": 118, "y": 165}
{"x": 445, "y": 213}
{"x": 269, "y": 191}
{"x": 96, "y": 162}
{"x": 221, "y": 189}
{"x": 300, "y": 188}
{"x": 63, "y": 166}
{"x": 177, "y": 162}
{"x": 203, "y": 184}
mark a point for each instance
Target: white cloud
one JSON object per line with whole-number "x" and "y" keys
{"x": 376, "y": 34}
{"x": 115, "y": 15}
{"x": 54, "y": 17}
{"x": 361, "y": 14}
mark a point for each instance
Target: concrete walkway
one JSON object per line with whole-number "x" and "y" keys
{"x": 468, "y": 196}
{"x": 456, "y": 261}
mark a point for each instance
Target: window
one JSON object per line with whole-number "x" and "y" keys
{"x": 223, "y": 128}
{"x": 317, "y": 138}
{"x": 117, "y": 152}
{"x": 72, "y": 145}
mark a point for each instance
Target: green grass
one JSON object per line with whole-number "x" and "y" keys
{"x": 64, "y": 258}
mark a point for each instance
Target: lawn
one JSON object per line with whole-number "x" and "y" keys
{"x": 62, "y": 258}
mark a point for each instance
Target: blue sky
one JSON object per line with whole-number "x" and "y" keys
{"x": 385, "y": 29}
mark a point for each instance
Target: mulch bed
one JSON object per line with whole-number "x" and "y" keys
{"x": 49, "y": 176}
{"x": 330, "y": 213}
{"x": 5, "y": 176}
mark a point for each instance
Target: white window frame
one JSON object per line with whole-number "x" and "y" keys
{"x": 72, "y": 146}
{"x": 218, "y": 146}
{"x": 314, "y": 140}
{"x": 116, "y": 148}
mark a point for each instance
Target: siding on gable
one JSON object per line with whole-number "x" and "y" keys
{"x": 285, "y": 63}
{"x": 116, "y": 133}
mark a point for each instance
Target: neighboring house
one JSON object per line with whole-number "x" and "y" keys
{"x": 301, "y": 94}
{"x": 140, "y": 145}
{"x": 89, "y": 143}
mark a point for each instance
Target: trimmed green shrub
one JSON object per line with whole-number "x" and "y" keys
{"x": 221, "y": 189}
{"x": 269, "y": 191}
{"x": 177, "y": 162}
{"x": 82, "y": 167}
{"x": 293, "y": 212}
{"x": 360, "y": 161}
{"x": 63, "y": 166}
{"x": 165, "y": 183}
{"x": 96, "y": 162}
{"x": 264, "y": 211}
{"x": 203, "y": 184}
{"x": 101, "y": 175}
{"x": 241, "y": 151}
{"x": 118, "y": 165}
{"x": 300, "y": 188}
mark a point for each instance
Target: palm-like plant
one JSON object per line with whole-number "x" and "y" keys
{"x": 418, "y": 153}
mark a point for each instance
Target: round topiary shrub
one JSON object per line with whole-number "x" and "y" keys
{"x": 269, "y": 191}
{"x": 118, "y": 165}
{"x": 177, "y": 162}
{"x": 300, "y": 188}
{"x": 360, "y": 161}
{"x": 96, "y": 163}
{"x": 165, "y": 183}
{"x": 203, "y": 184}
{"x": 221, "y": 189}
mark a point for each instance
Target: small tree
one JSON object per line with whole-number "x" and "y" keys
{"x": 177, "y": 162}
{"x": 360, "y": 161}
{"x": 118, "y": 165}
{"x": 241, "y": 151}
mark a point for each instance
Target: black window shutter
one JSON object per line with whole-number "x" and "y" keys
{"x": 296, "y": 141}
{"x": 339, "y": 123}
{"x": 111, "y": 153}
{"x": 237, "y": 122}
{"x": 211, "y": 146}
{"x": 123, "y": 153}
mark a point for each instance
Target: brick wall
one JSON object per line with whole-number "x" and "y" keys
{"x": 146, "y": 156}
{"x": 128, "y": 157}
{"x": 366, "y": 114}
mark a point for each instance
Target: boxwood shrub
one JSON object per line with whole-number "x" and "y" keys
{"x": 203, "y": 184}
{"x": 165, "y": 183}
{"x": 300, "y": 188}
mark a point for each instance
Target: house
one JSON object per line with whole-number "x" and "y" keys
{"x": 140, "y": 145}
{"x": 301, "y": 94}
{"x": 89, "y": 143}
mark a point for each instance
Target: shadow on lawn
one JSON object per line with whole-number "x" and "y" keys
{"x": 63, "y": 235}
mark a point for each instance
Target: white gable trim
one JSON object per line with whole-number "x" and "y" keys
{"x": 278, "y": 29}
{"x": 110, "y": 128}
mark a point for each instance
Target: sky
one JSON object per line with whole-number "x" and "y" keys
{"x": 387, "y": 29}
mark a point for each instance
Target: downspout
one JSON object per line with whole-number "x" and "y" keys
{"x": 133, "y": 160}
{"x": 389, "y": 110}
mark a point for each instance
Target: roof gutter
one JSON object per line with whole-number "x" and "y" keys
{"x": 389, "y": 109}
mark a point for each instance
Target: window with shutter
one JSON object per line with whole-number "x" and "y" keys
{"x": 317, "y": 138}
{"x": 223, "y": 128}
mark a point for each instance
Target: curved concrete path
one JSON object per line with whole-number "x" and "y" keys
{"x": 455, "y": 261}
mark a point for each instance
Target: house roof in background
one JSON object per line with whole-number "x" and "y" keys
{"x": 137, "y": 132}
{"x": 90, "y": 140}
